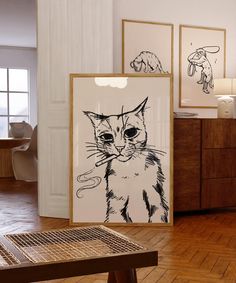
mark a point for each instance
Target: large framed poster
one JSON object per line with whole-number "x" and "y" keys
{"x": 121, "y": 149}
{"x": 202, "y": 59}
{"x": 147, "y": 47}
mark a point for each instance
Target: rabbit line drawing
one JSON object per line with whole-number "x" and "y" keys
{"x": 199, "y": 58}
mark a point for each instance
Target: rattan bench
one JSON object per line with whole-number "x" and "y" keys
{"x": 54, "y": 254}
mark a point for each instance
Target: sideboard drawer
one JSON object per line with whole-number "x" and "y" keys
{"x": 218, "y": 133}
{"x": 217, "y": 163}
{"x": 218, "y": 193}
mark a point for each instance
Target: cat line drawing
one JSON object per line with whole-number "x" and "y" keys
{"x": 148, "y": 62}
{"x": 132, "y": 170}
{"x": 199, "y": 58}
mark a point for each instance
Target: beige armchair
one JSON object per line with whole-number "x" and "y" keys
{"x": 25, "y": 160}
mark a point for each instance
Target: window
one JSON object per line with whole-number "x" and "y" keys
{"x": 14, "y": 98}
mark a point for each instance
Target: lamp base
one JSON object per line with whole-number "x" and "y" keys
{"x": 225, "y": 107}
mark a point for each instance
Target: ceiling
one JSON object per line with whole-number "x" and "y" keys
{"x": 18, "y": 23}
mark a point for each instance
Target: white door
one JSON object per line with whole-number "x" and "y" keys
{"x": 74, "y": 36}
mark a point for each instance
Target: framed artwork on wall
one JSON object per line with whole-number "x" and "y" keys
{"x": 147, "y": 47}
{"x": 121, "y": 149}
{"x": 202, "y": 59}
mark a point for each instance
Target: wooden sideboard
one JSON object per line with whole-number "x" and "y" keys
{"x": 204, "y": 163}
{"x": 5, "y": 155}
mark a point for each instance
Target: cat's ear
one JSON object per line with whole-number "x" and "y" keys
{"x": 94, "y": 118}
{"x": 140, "y": 108}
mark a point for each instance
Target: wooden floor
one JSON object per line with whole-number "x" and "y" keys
{"x": 199, "y": 248}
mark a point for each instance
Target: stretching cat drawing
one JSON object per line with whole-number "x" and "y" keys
{"x": 147, "y": 61}
{"x": 133, "y": 174}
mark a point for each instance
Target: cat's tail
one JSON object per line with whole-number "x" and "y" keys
{"x": 90, "y": 182}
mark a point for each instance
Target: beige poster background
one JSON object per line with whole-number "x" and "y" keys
{"x": 110, "y": 100}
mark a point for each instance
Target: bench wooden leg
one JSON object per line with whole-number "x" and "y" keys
{"x": 123, "y": 276}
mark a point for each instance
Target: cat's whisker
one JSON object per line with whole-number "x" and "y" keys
{"x": 160, "y": 152}
{"x": 91, "y": 143}
{"x": 149, "y": 147}
{"x": 93, "y": 154}
{"x": 105, "y": 160}
{"x": 92, "y": 146}
{"x": 102, "y": 154}
{"x": 94, "y": 149}
{"x": 100, "y": 147}
{"x": 95, "y": 145}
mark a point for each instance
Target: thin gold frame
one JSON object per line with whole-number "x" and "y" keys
{"x": 73, "y": 76}
{"x": 180, "y": 59}
{"x": 151, "y": 23}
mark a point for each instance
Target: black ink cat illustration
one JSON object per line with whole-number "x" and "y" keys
{"x": 133, "y": 175}
{"x": 199, "y": 58}
{"x": 147, "y": 61}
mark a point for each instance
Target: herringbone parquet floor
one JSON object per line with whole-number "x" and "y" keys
{"x": 199, "y": 248}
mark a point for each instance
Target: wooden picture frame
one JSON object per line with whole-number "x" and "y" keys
{"x": 202, "y": 57}
{"x": 147, "y": 47}
{"x": 121, "y": 149}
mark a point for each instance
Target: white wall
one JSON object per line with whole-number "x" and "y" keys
{"x": 25, "y": 58}
{"x": 211, "y": 13}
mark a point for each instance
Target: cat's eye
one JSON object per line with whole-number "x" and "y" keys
{"x": 131, "y": 133}
{"x": 106, "y": 137}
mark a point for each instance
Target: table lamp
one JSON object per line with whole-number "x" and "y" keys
{"x": 224, "y": 89}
